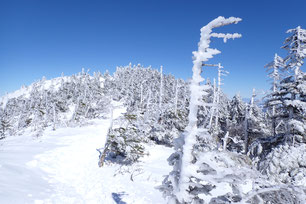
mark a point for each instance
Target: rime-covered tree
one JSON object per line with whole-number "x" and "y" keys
{"x": 295, "y": 44}
{"x": 254, "y": 123}
{"x": 273, "y": 103}
{"x": 190, "y": 179}
{"x": 125, "y": 143}
{"x": 235, "y": 123}
{"x": 292, "y": 88}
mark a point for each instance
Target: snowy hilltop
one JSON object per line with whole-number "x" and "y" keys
{"x": 141, "y": 136}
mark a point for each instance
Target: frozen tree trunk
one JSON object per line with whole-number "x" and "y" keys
{"x": 225, "y": 141}
{"x": 252, "y": 101}
{"x": 275, "y": 73}
{"x": 246, "y": 132}
{"x": 176, "y": 98}
{"x": 291, "y": 114}
{"x": 161, "y": 87}
{"x": 141, "y": 93}
{"x": 218, "y": 95}
{"x": 215, "y": 104}
{"x": 87, "y": 110}
{"x": 149, "y": 98}
{"x": 203, "y": 54}
{"x": 220, "y": 74}
{"x": 103, "y": 154}
{"x": 75, "y": 110}
{"x": 54, "y": 117}
{"x": 46, "y": 98}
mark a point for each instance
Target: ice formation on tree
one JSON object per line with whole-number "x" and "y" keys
{"x": 188, "y": 182}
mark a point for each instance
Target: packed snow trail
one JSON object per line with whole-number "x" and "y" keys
{"x": 62, "y": 167}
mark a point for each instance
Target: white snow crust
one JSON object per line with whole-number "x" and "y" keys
{"x": 62, "y": 167}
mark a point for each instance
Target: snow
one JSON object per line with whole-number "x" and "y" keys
{"x": 62, "y": 167}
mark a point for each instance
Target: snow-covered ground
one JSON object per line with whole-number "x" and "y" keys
{"x": 62, "y": 167}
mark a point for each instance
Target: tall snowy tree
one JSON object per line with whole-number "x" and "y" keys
{"x": 296, "y": 46}
{"x": 187, "y": 182}
{"x": 273, "y": 69}
{"x": 161, "y": 87}
{"x": 292, "y": 88}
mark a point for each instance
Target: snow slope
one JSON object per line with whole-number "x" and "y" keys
{"x": 62, "y": 167}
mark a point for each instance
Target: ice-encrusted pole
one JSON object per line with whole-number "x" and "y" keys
{"x": 197, "y": 90}
{"x": 221, "y": 73}
{"x": 214, "y": 102}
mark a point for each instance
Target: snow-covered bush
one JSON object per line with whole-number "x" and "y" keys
{"x": 124, "y": 143}
{"x": 286, "y": 164}
{"x": 164, "y": 127}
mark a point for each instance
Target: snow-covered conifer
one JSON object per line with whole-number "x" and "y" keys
{"x": 161, "y": 87}
{"x": 273, "y": 69}
{"x": 125, "y": 143}
{"x": 291, "y": 89}
{"x": 296, "y": 46}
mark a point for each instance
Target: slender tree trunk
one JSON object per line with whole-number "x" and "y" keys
{"x": 105, "y": 150}
{"x": 54, "y": 117}
{"x": 215, "y": 104}
{"x": 176, "y": 98}
{"x": 225, "y": 141}
{"x": 141, "y": 94}
{"x": 246, "y": 133}
{"x": 218, "y": 95}
{"x": 161, "y": 87}
{"x": 273, "y": 107}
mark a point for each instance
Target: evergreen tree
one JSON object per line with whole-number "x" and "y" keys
{"x": 272, "y": 102}
{"x": 236, "y": 121}
{"x": 291, "y": 89}
{"x": 124, "y": 144}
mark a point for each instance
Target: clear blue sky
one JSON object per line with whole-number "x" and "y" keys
{"x": 45, "y": 38}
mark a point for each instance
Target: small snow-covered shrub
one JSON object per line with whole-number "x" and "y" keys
{"x": 162, "y": 129}
{"x": 124, "y": 142}
{"x": 286, "y": 164}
